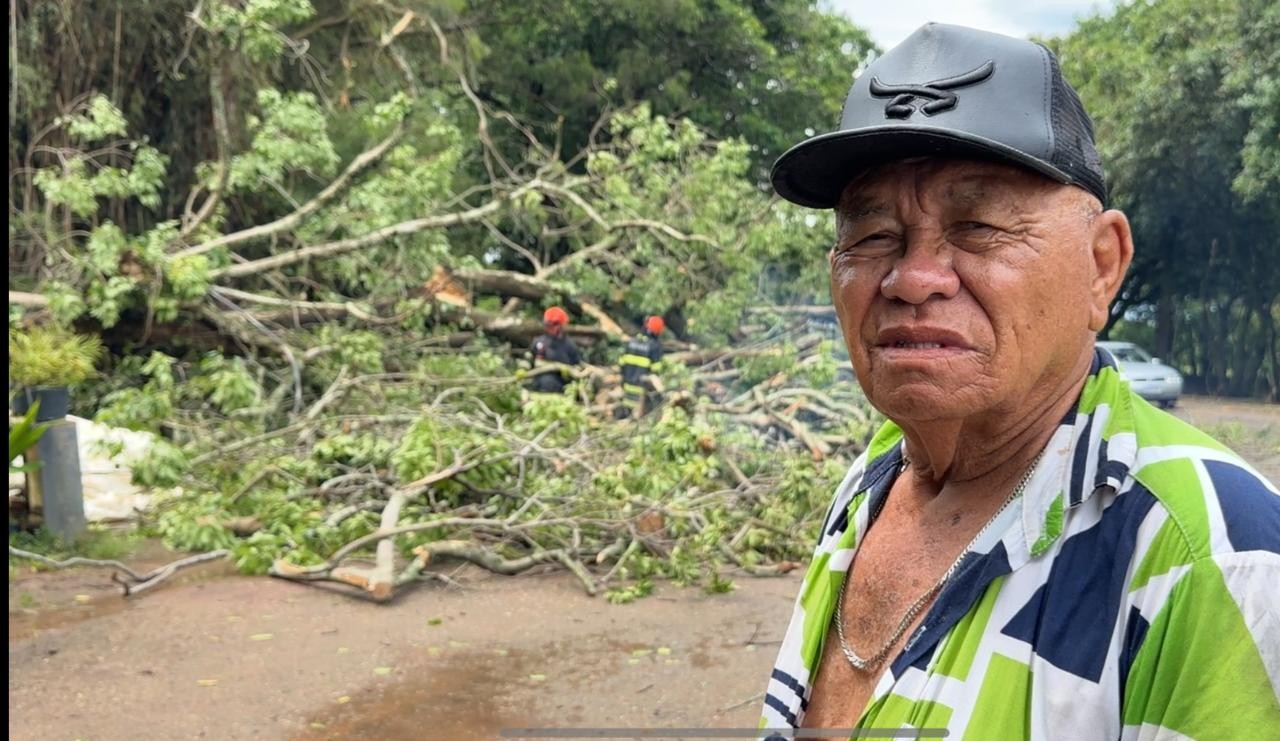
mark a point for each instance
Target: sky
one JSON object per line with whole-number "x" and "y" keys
{"x": 891, "y": 21}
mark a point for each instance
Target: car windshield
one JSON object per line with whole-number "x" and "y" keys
{"x": 1130, "y": 354}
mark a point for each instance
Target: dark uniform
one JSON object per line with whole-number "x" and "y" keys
{"x": 546, "y": 348}
{"x": 637, "y": 362}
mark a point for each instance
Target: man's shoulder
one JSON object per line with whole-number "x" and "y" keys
{"x": 1216, "y": 499}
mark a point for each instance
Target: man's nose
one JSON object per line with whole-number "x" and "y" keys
{"x": 923, "y": 270}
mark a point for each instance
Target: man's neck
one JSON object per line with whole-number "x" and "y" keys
{"x": 992, "y": 447}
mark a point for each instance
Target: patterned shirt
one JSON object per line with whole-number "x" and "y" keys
{"x": 1132, "y": 592}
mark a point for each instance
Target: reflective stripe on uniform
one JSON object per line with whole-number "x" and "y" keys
{"x": 636, "y": 360}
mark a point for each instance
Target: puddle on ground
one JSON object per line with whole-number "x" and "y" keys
{"x": 470, "y": 697}
{"x": 475, "y": 693}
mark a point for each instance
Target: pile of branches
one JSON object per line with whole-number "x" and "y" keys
{"x": 384, "y": 474}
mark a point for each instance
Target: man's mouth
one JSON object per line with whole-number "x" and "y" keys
{"x": 921, "y": 338}
{"x": 918, "y": 345}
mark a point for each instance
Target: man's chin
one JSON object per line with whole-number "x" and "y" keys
{"x": 923, "y": 402}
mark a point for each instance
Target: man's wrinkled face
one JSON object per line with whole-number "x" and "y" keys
{"x": 553, "y": 328}
{"x": 962, "y": 287}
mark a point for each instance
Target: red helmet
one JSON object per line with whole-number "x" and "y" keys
{"x": 654, "y": 325}
{"x": 555, "y": 315}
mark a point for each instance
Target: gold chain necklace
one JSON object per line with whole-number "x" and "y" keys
{"x": 859, "y": 662}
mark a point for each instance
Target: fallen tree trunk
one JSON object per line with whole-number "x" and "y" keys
{"x": 505, "y": 283}
{"x": 303, "y": 313}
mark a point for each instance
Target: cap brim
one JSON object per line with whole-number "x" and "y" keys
{"x": 815, "y": 172}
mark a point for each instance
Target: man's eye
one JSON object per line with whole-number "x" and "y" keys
{"x": 872, "y": 245}
{"x": 975, "y": 235}
{"x": 877, "y": 241}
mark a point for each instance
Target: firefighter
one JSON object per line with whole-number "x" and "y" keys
{"x": 552, "y": 347}
{"x": 642, "y": 352}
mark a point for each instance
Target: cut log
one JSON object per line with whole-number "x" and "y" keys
{"x": 444, "y": 287}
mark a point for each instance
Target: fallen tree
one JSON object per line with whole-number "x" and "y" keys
{"x": 326, "y": 332}
{"x": 380, "y": 478}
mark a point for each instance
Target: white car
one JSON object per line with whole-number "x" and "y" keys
{"x": 1153, "y": 380}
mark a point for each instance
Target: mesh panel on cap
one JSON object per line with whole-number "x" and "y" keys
{"x": 1073, "y": 149}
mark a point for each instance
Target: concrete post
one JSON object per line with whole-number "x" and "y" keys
{"x": 55, "y": 489}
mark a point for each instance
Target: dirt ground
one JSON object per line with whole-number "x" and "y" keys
{"x": 1250, "y": 428}
{"x": 220, "y": 656}
{"x": 231, "y": 657}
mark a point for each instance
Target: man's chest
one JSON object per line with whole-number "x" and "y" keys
{"x": 900, "y": 561}
{"x": 894, "y": 579}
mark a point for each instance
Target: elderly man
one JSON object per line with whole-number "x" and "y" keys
{"x": 1028, "y": 549}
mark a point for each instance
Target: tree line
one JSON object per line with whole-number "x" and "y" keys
{"x": 1186, "y": 100}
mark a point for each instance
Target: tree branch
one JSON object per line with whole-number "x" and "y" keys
{"x": 29, "y": 300}
{"x": 223, "y": 136}
{"x": 582, "y": 255}
{"x": 343, "y": 246}
{"x": 133, "y": 583}
{"x": 75, "y": 561}
{"x": 290, "y": 221}
{"x": 655, "y": 226}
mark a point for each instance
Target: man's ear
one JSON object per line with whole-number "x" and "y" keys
{"x": 1112, "y": 242}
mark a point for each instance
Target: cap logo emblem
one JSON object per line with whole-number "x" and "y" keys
{"x": 936, "y": 92}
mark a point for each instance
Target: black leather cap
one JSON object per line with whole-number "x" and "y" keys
{"x": 950, "y": 91}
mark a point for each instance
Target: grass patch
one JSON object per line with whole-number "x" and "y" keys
{"x": 1241, "y": 439}
{"x": 1228, "y": 433}
{"x": 100, "y": 543}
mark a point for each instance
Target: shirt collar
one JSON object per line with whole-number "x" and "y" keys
{"x": 1092, "y": 449}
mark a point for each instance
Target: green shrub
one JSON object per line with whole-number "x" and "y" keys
{"x": 22, "y": 436}
{"x": 51, "y": 356}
